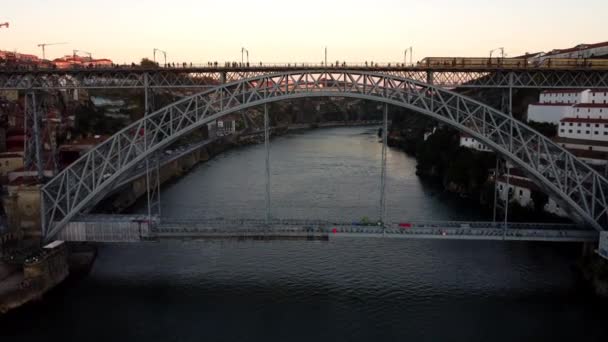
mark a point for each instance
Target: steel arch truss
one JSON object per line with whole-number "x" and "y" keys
{"x": 90, "y": 178}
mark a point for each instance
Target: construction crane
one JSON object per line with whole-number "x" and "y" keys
{"x": 3, "y": 25}
{"x": 43, "y": 45}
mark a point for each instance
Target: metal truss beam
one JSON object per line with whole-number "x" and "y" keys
{"x": 209, "y": 76}
{"x": 579, "y": 189}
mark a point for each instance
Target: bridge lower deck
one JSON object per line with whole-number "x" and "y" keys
{"x": 133, "y": 229}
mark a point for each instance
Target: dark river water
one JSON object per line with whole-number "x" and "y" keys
{"x": 341, "y": 290}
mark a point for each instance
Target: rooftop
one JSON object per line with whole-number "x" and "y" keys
{"x": 560, "y": 140}
{"x": 585, "y": 120}
{"x": 580, "y": 47}
{"x": 591, "y": 105}
{"x": 522, "y": 183}
{"x": 558, "y": 104}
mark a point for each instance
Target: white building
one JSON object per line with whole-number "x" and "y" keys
{"x": 548, "y": 112}
{"x": 519, "y": 189}
{"x": 470, "y": 142}
{"x": 579, "y": 51}
{"x": 225, "y": 125}
{"x": 565, "y": 96}
{"x": 554, "y": 105}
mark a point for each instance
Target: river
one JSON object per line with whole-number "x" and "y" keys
{"x": 342, "y": 290}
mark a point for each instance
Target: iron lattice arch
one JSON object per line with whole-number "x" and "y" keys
{"x": 576, "y": 186}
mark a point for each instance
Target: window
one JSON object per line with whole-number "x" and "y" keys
{"x": 562, "y": 130}
{"x": 578, "y": 131}
{"x": 587, "y": 132}
{"x": 501, "y": 187}
{"x": 563, "y": 123}
{"x": 571, "y": 124}
{"x": 596, "y": 132}
{"x": 579, "y": 125}
{"x": 521, "y": 192}
{"x": 588, "y": 125}
{"x": 569, "y": 131}
{"x": 597, "y": 125}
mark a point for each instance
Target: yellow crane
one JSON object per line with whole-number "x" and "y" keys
{"x": 43, "y": 45}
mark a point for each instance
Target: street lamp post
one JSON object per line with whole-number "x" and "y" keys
{"x": 75, "y": 52}
{"x": 411, "y": 50}
{"x": 161, "y": 51}
{"x": 243, "y": 51}
{"x": 326, "y": 56}
{"x": 502, "y": 52}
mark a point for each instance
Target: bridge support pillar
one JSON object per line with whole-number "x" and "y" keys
{"x": 148, "y": 96}
{"x": 267, "y": 163}
{"x": 33, "y": 159}
{"x": 153, "y": 188}
{"x": 383, "y": 170}
{"x": 429, "y": 77}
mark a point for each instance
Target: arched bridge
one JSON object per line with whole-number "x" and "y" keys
{"x": 576, "y": 186}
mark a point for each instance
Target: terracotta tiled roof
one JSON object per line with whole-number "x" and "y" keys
{"x": 585, "y": 120}
{"x": 591, "y": 105}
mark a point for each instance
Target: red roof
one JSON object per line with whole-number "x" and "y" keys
{"x": 585, "y": 120}
{"x": 599, "y": 155}
{"x": 585, "y": 142}
{"x": 591, "y": 105}
{"x": 552, "y": 104}
{"x": 10, "y": 155}
{"x": 563, "y": 91}
{"x": 579, "y": 47}
{"x": 522, "y": 183}
{"x": 27, "y": 180}
{"x": 17, "y": 138}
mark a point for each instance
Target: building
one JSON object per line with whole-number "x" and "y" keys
{"x": 554, "y": 105}
{"x": 579, "y": 51}
{"x": 518, "y": 188}
{"x": 225, "y": 125}
{"x": 470, "y": 142}
{"x": 10, "y": 161}
{"x": 70, "y": 61}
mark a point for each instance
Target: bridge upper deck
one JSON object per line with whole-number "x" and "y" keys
{"x": 191, "y": 76}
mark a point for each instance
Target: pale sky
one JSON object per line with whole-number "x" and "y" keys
{"x": 199, "y": 31}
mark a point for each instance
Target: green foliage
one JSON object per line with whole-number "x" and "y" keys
{"x": 547, "y": 129}
{"x": 146, "y": 63}
{"x": 540, "y": 199}
{"x": 442, "y": 157}
{"x": 89, "y": 120}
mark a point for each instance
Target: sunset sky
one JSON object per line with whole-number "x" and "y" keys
{"x": 287, "y": 31}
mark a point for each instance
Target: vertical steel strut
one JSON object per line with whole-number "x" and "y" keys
{"x": 267, "y": 166}
{"x": 383, "y": 172}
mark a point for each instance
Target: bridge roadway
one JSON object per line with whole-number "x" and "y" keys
{"x": 197, "y": 77}
{"x": 133, "y": 228}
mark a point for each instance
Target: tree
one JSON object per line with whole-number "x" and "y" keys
{"x": 146, "y": 63}
{"x": 540, "y": 199}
